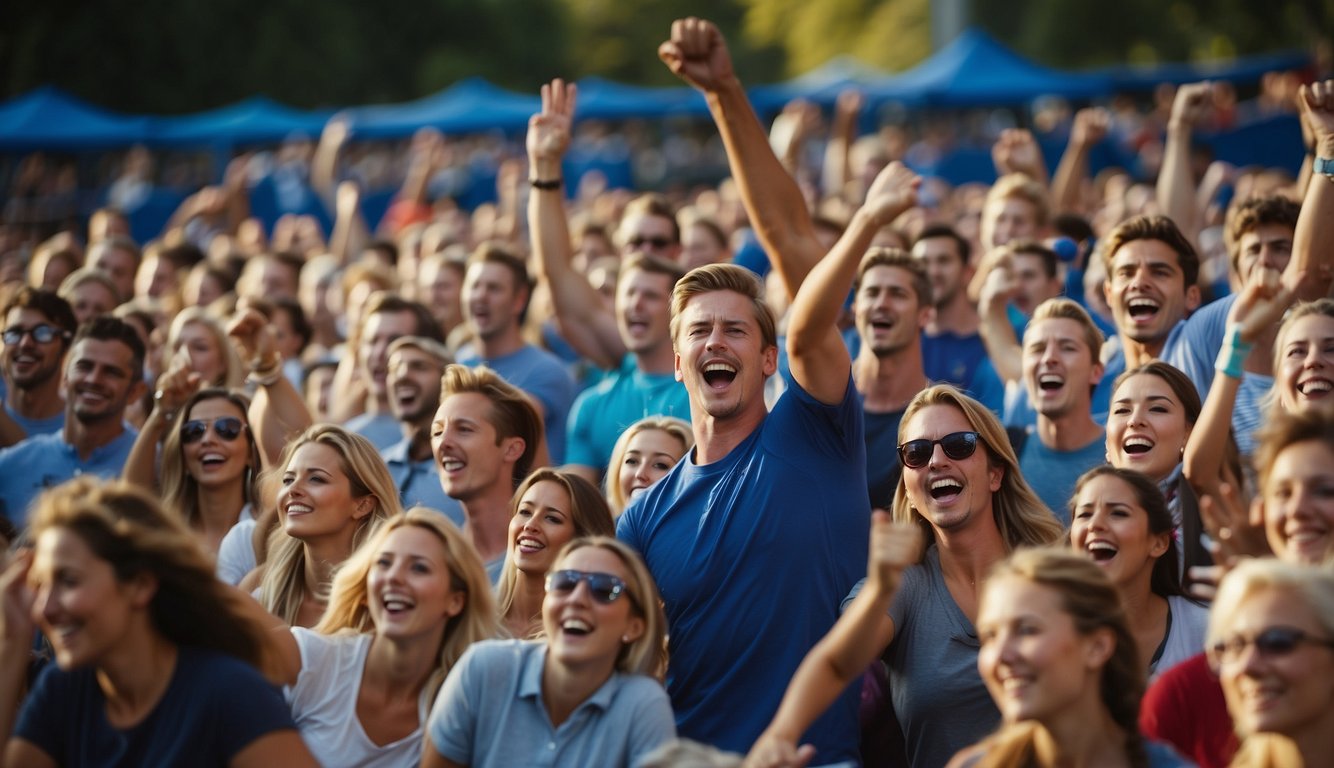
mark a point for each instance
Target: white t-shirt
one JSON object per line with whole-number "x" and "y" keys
{"x": 324, "y": 705}
{"x": 236, "y": 553}
{"x": 1190, "y": 625}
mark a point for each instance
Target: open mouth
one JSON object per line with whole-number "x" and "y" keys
{"x": 1315, "y": 387}
{"x": 1135, "y": 446}
{"x": 396, "y": 604}
{"x": 576, "y": 627}
{"x": 299, "y": 509}
{"x": 1142, "y": 308}
{"x": 1049, "y": 382}
{"x": 212, "y": 459}
{"x": 528, "y": 545}
{"x": 719, "y": 375}
{"x": 945, "y": 488}
{"x": 1101, "y": 551}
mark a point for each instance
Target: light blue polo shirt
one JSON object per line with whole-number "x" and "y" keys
{"x": 490, "y": 715}
{"x": 382, "y": 429}
{"x": 418, "y": 482}
{"x": 45, "y": 461}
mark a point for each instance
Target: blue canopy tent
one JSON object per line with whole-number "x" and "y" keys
{"x": 256, "y": 120}
{"x": 601, "y": 99}
{"x": 468, "y": 106}
{"x": 1248, "y": 69}
{"x": 50, "y": 119}
{"x": 976, "y": 70}
{"x": 821, "y": 85}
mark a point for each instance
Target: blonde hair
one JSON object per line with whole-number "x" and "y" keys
{"x": 1065, "y": 309}
{"x": 648, "y": 654}
{"x": 232, "y": 374}
{"x": 512, "y": 413}
{"x": 589, "y": 516}
{"x": 180, "y": 490}
{"x": 1020, "y": 516}
{"x": 283, "y": 586}
{"x": 611, "y": 484}
{"x": 1309, "y": 585}
{"x": 348, "y": 609}
{"x": 711, "y": 278}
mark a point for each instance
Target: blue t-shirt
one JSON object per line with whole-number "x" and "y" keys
{"x": 602, "y": 412}
{"x": 542, "y": 375}
{"x": 752, "y": 555}
{"x": 882, "y": 456}
{"x": 418, "y": 482}
{"x": 382, "y": 429}
{"x": 37, "y": 426}
{"x": 214, "y": 707}
{"x": 1052, "y": 474}
{"x": 490, "y": 713}
{"x": 45, "y": 461}
{"x": 952, "y": 359}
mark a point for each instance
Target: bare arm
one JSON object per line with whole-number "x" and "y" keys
{"x": 837, "y": 153}
{"x": 581, "y": 312}
{"x": 283, "y": 748}
{"x": 698, "y": 54}
{"x": 1003, "y": 347}
{"x": 350, "y": 234}
{"x": 816, "y": 352}
{"x": 1313, "y": 240}
{"x": 861, "y": 633}
{"x": 324, "y": 165}
{"x": 1176, "y": 184}
{"x": 277, "y": 412}
{"x": 1090, "y": 127}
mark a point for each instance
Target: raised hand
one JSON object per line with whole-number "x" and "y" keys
{"x": 1090, "y": 126}
{"x": 18, "y": 599}
{"x": 894, "y": 547}
{"x": 893, "y": 192}
{"x": 254, "y": 340}
{"x": 1263, "y": 300}
{"x": 549, "y": 130}
{"x": 697, "y": 53}
{"x": 1016, "y": 151}
{"x": 176, "y": 384}
{"x": 772, "y": 752}
{"x": 1192, "y": 103}
{"x": 999, "y": 286}
{"x": 1316, "y": 103}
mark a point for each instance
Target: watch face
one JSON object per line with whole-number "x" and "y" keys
{"x": 1324, "y": 165}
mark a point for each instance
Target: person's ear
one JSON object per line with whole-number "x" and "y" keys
{"x": 1100, "y": 646}
{"x": 512, "y": 448}
{"x": 365, "y": 506}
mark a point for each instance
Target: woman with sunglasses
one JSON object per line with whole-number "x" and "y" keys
{"x": 1119, "y": 520}
{"x": 1059, "y": 660}
{"x": 960, "y": 489}
{"x": 1271, "y": 641}
{"x": 402, "y": 611}
{"x": 334, "y": 490}
{"x": 155, "y": 658}
{"x": 588, "y": 693}
{"x": 550, "y": 508}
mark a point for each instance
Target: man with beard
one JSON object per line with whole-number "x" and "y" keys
{"x": 416, "y": 364}
{"x": 37, "y": 332}
{"x": 891, "y": 304}
{"x": 103, "y": 373}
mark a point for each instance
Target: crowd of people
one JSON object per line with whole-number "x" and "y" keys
{"x": 856, "y": 471}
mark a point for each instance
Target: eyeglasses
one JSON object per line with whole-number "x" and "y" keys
{"x": 228, "y": 428}
{"x": 1271, "y": 643}
{"x": 916, "y": 454}
{"x": 656, "y": 243}
{"x": 42, "y": 334}
{"x": 604, "y": 587}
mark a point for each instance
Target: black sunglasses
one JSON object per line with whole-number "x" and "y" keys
{"x": 657, "y": 243}
{"x": 604, "y": 587}
{"x": 1271, "y": 643}
{"x": 916, "y": 454}
{"x": 42, "y": 334}
{"x": 228, "y": 428}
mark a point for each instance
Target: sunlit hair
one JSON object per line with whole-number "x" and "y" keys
{"x": 1088, "y": 597}
{"x": 1159, "y": 228}
{"x": 76, "y": 280}
{"x": 128, "y": 528}
{"x": 180, "y": 490}
{"x": 1165, "y": 579}
{"x": 589, "y": 516}
{"x": 654, "y": 265}
{"x": 232, "y": 374}
{"x": 649, "y": 205}
{"x": 1021, "y": 517}
{"x": 1284, "y": 430}
{"x": 283, "y": 586}
{"x": 611, "y": 483}
{"x": 1023, "y": 187}
{"x": 1178, "y": 382}
{"x": 512, "y": 413}
{"x": 711, "y": 278}
{"x": 648, "y": 654}
{"x": 349, "y": 611}
{"x": 1323, "y": 307}
{"x": 899, "y": 259}
{"x": 1065, "y": 309}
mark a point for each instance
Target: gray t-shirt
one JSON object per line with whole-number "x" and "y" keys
{"x": 939, "y": 697}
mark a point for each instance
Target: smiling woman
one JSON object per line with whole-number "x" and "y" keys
{"x": 598, "y": 668}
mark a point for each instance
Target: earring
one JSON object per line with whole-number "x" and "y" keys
{"x": 625, "y": 639}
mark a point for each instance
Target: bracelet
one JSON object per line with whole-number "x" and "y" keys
{"x": 548, "y": 185}
{"x": 265, "y": 378}
{"x": 1233, "y": 353}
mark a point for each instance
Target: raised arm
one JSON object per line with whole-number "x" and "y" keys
{"x": 1090, "y": 127}
{"x": 581, "y": 311}
{"x": 174, "y": 387}
{"x": 1003, "y": 347}
{"x": 698, "y": 54}
{"x": 816, "y": 351}
{"x": 1176, "y": 183}
{"x": 861, "y": 633}
{"x": 1313, "y": 240}
{"x": 277, "y": 412}
{"x": 1016, "y": 151}
{"x": 837, "y": 152}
